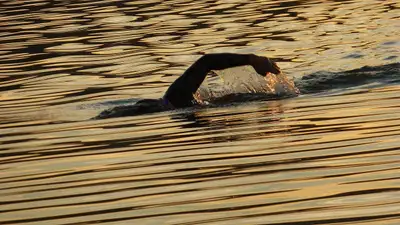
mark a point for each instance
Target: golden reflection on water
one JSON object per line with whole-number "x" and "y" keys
{"x": 329, "y": 158}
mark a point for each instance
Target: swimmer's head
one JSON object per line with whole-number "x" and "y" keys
{"x": 145, "y": 106}
{"x": 141, "y": 107}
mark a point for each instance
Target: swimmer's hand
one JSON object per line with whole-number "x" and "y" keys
{"x": 263, "y": 65}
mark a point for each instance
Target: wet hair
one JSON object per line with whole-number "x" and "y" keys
{"x": 143, "y": 106}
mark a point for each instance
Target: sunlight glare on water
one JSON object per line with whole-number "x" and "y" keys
{"x": 327, "y": 156}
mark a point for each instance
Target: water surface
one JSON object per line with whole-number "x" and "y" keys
{"x": 328, "y": 156}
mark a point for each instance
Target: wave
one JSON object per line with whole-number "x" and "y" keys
{"x": 244, "y": 84}
{"x": 325, "y": 81}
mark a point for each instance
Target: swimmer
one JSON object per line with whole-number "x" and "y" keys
{"x": 180, "y": 93}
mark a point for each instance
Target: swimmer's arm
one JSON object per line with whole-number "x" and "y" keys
{"x": 197, "y": 72}
{"x": 186, "y": 85}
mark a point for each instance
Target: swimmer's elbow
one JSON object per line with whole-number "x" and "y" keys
{"x": 206, "y": 61}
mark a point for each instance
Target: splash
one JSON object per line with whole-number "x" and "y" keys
{"x": 243, "y": 83}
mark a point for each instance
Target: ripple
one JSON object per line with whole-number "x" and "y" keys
{"x": 330, "y": 157}
{"x": 71, "y": 47}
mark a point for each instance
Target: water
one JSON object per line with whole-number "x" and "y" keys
{"x": 328, "y": 156}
